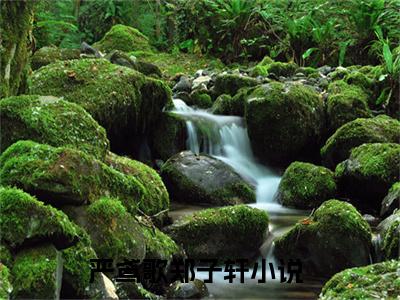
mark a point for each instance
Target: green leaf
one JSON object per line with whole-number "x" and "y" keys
{"x": 309, "y": 52}
{"x": 388, "y": 56}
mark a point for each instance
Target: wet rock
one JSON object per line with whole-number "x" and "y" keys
{"x": 201, "y": 179}
{"x": 124, "y": 38}
{"x": 379, "y": 281}
{"x": 306, "y": 186}
{"x": 335, "y": 230}
{"x": 87, "y": 49}
{"x": 282, "y": 69}
{"x": 191, "y": 290}
{"x": 389, "y": 230}
{"x": 125, "y": 102}
{"x": 53, "y": 121}
{"x": 201, "y": 81}
{"x": 221, "y": 233}
{"x": 285, "y": 122}
{"x": 66, "y": 176}
{"x": 369, "y": 172}
{"x": 26, "y": 220}
{"x": 391, "y": 201}
{"x": 183, "y": 85}
{"x": 230, "y": 84}
{"x": 381, "y": 129}
{"x": 51, "y": 54}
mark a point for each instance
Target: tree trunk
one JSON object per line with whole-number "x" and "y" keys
{"x": 16, "y": 19}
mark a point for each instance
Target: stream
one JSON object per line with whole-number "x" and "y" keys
{"x": 226, "y": 138}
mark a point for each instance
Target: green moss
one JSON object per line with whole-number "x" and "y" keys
{"x": 336, "y": 229}
{"x": 282, "y": 69}
{"x": 15, "y": 30}
{"x": 122, "y": 100}
{"x": 380, "y": 129}
{"x": 5, "y": 255}
{"x": 200, "y": 99}
{"x": 124, "y": 38}
{"x": 63, "y": 175}
{"x": 369, "y": 172}
{"x": 308, "y": 71}
{"x": 266, "y": 61}
{"x": 23, "y": 218}
{"x": 5, "y": 282}
{"x": 227, "y": 105}
{"x": 391, "y": 239}
{"x": 284, "y": 122}
{"x": 230, "y": 84}
{"x": 158, "y": 244}
{"x": 391, "y": 201}
{"x": 34, "y": 273}
{"x": 379, "y": 281}
{"x": 305, "y": 186}
{"x": 259, "y": 70}
{"x": 221, "y": 233}
{"x": 346, "y": 103}
{"x": 115, "y": 233}
{"x": 52, "y": 121}
{"x": 359, "y": 79}
{"x": 177, "y": 63}
{"x": 51, "y": 54}
{"x": 156, "y": 197}
{"x": 339, "y": 73}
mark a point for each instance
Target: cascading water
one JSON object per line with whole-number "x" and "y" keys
{"x": 226, "y": 138}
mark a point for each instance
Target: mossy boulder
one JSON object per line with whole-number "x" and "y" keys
{"x": 16, "y": 18}
{"x": 53, "y": 121}
{"x": 170, "y": 138}
{"x": 360, "y": 79}
{"x": 195, "y": 289}
{"x": 26, "y": 220}
{"x": 345, "y": 103}
{"x": 5, "y": 282}
{"x": 285, "y": 122}
{"x": 381, "y": 129}
{"x": 6, "y": 258}
{"x": 282, "y": 69}
{"x": 232, "y": 106}
{"x": 390, "y": 236}
{"x": 230, "y": 84}
{"x": 333, "y": 238}
{"x": 125, "y": 102}
{"x": 200, "y": 99}
{"x": 391, "y": 201}
{"x": 369, "y": 172}
{"x": 51, "y": 54}
{"x": 62, "y": 175}
{"x": 35, "y": 273}
{"x": 183, "y": 175}
{"x": 156, "y": 197}
{"x": 306, "y": 186}
{"x": 379, "y": 281}
{"x": 124, "y": 38}
{"x": 221, "y": 233}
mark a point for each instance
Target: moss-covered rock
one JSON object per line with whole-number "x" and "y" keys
{"x": 63, "y": 175}
{"x": 359, "y": 79}
{"x": 16, "y": 18}
{"x": 26, "y": 220}
{"x": 334, "y": 238}
{"x": 51, "y": 54}
{"x": 390, "y": 236}
{"x": 369, "y": 172}
{"x": 35, "y": 273}
{"x": 53, "y": 121}
{"x": 156, "y": 197}
{"x": 391, "y": 201}
{"x": 282, "y": 69}
{"x": 170, "y": 138}
{"x": 5, "y": 282}
{"x": 200, "y": 99}
{"x": 195, "y": 289}
{"x": 124, "y": 38}
{"x": 381, "y": 129}
{"x": 6, "y": 258}
{"x": 232, "y": 106}
{"x": 306, "y": 186}
{"x": 230, "y": 84}
{"x": 378, "y": 281}
{"x": 221, "y": 233}
{"x": 125, "y": 102}
{"x": 285, "y": 122}
{"x": 183, "y": 175}
{"x": 345, "y": 103}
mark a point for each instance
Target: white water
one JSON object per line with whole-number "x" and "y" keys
{"x": 226, "y": 138}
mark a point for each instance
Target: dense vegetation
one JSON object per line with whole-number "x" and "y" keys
{"x": 117, "y": 113}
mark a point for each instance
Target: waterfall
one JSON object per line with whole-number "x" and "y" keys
{"x": 226, "y": 138}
